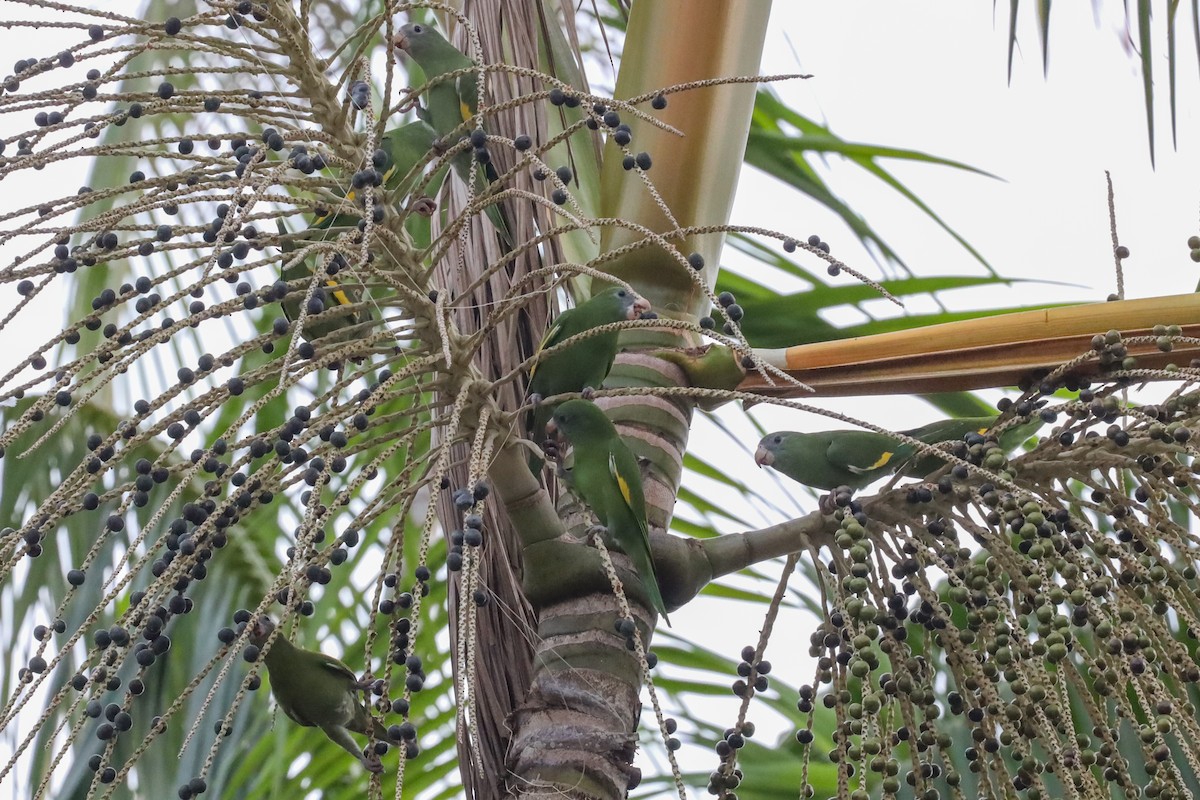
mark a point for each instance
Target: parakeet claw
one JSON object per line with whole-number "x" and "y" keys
{"x": 425, "y": 206}
{"x": 370, "y": 760}
{"x": 829, "y": 503}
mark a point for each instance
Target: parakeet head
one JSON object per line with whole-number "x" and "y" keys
{"x": 625, "y": 304}
{"x": 260, "y": 629}
{"x": 768, "y": 447}
{"x": 580, "y": 422}
{"x": 417, "y": 39}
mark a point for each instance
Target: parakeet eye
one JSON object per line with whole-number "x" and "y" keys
{"x": 777, "y": 439}
{"x": 622, "y": 293}
{"x": 417, "y": 29}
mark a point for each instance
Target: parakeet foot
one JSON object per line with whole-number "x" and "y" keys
{"x": 425, "y": 206}
{"x": 838, "y": 498}
{"x": 370, "y": 760}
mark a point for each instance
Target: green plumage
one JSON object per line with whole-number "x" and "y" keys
{"x": 711, "y": 366}
{"x": 450, "y": 103}
{"x": 405, "y": 147}
{"x": 588, "y": 361}
{"x": 332, "y": 291}
{"x": 955, "y": 430}
{"x": 829, "y": 459}
{"x": 318, "y": 691}
{"x": 605, "y": 473}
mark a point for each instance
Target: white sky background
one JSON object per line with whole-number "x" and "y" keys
{"x": 935, "y": 81}
{"x": 931, "y": 77}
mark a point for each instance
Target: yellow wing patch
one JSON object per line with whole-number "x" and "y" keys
{"x": 622, "y": 484}
{"x": 321, "y": 220}
{"x": 883, "y": 459}
{"x": 337, "y": 293}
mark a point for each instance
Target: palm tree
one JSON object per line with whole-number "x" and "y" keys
{"x": 340, "y": 444}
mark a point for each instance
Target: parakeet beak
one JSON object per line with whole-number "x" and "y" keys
{"x": 400, "y": 41}
{"x": 260, "y": 629}
{"x": 551, "y": 429}
{"x": 639, "y": 307}
{"x": 763, "y": 457}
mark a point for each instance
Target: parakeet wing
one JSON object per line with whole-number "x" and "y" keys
{"x": 552, "y": 337}
{"x": 338, "y": 668}
{"x": 467, "y": 87}
{"x": 627, "y": 523}
{"x": 861, "y": 452}
{"x": 336, "y": 293}
{"x": 406, "y": 146}
{"x": 624, "y": 470}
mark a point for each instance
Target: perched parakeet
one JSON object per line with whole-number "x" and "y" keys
{"x": 318, "y": 691}
{"x": 332, "y": 291}
{"x": 403, "y": 147}
{"x": 605, "y": 473}
{"x": 830, "y": 459}
{"x": 587, "y": 362}
{"x": 450, "y": 103}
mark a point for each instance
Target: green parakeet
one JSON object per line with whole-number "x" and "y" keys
{"x": 450, "y": 103}
{"x": 605, "y": 473}
{"x": 404, "y": 147}
{"x": 587, "y": 362}
{"x": 830, "y": 459}
{"x": 332, "y": 292}
{"x": 318, "y": 691}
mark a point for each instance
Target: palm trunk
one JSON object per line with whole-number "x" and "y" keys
{"x": 555, "y": 709}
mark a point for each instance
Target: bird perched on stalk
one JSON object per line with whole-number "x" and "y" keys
{"x": 401, "y": 150}
{"x": 318, "y": 691}
{"x": 605, "y": 473}
{"x": 588, "y": 361}
{"x": 449, "y": 104}
{"x": 830, "y": 459}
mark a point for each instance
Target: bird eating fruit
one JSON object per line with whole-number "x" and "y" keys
{"x": 318, "y": 691}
